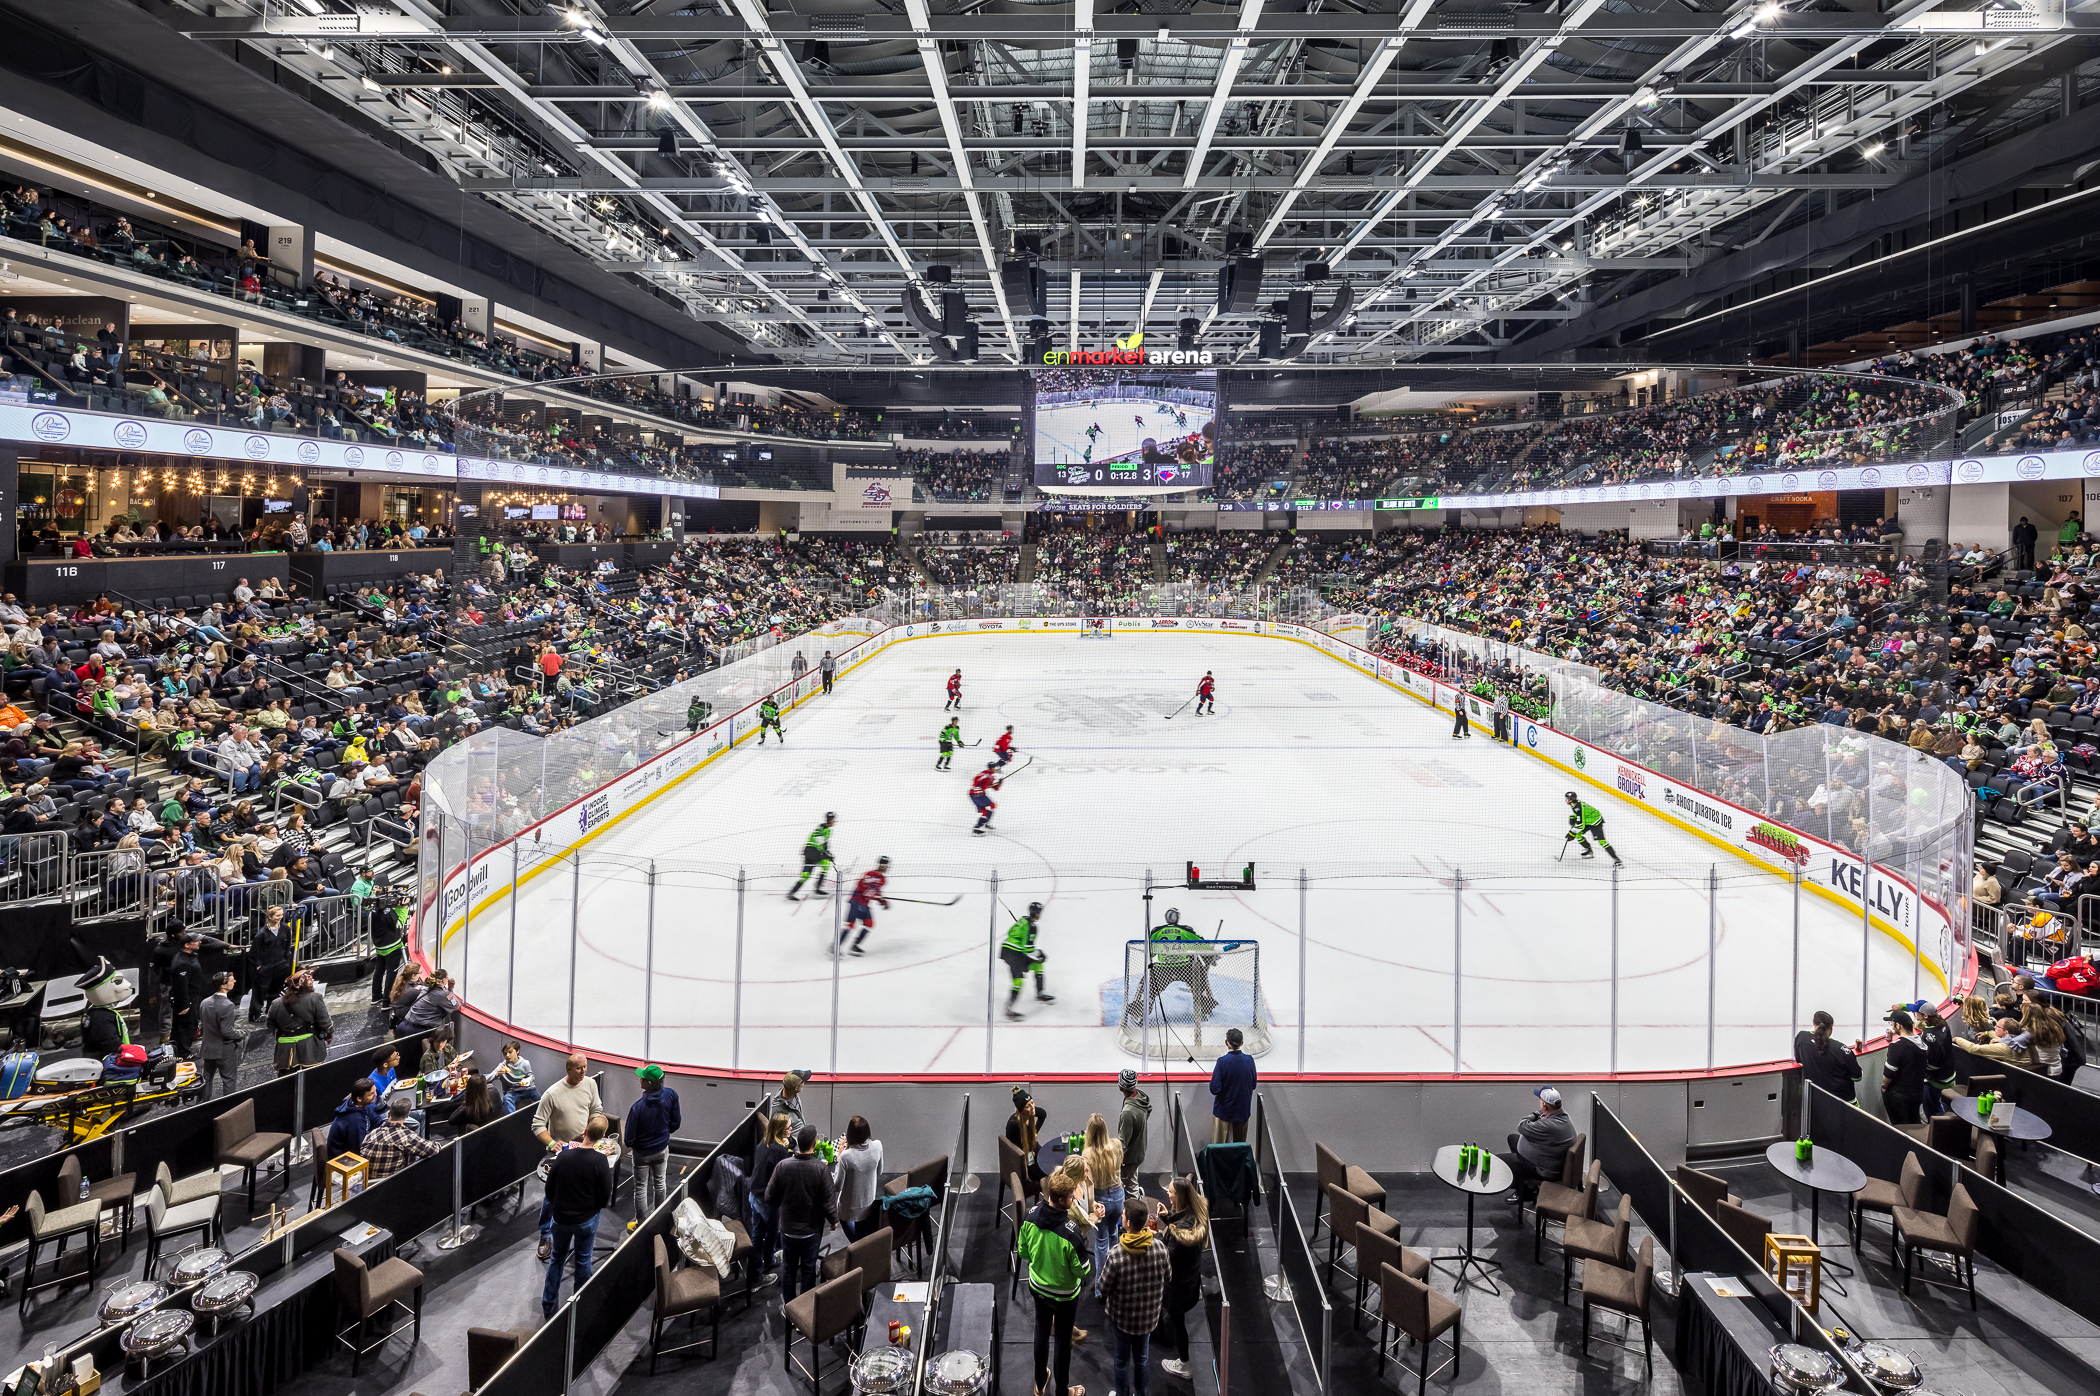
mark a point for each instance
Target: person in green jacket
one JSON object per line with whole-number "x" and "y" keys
{"x": 2073, "y": 528}
{"x": 769, "y": 716}
{"x": 816, "y": 856}
{"x": 950, "y": 739}
{"x": 1060, "y": 1262}
{"x": 1021, "y": 954}
{"x": 696, "y": 714}
{"x": 1584, "y": 824}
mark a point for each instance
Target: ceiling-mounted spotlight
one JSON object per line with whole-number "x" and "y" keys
{"x": 1020, "y": 116}
{"x": 667, "y": 142}
{"x": 915, "y": 162}
{"x": 1349, "y": 164}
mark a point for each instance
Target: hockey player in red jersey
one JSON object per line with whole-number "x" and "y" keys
{"x": 954, "y": 692}
{"x": 1205, "y": 699}
{"x": 1003, "y": 749}
{"x": 981, "y": 787}
{"x": 860, "y": 903}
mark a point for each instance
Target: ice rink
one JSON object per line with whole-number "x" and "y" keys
{"x": 1307, "y": 764}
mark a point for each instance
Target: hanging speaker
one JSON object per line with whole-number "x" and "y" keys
{"x": 1239, "y": 285}
{"x": 1297, "y": 314}
{"x": 1271, "y": 340}
{"x": 1189, "y": 328}
{"x": 940, "y": 274}
{"x": 965, "y": 348}
{"x": 955, "y": 312}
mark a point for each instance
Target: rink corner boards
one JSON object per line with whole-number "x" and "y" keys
{"x": 1879, "y": 922}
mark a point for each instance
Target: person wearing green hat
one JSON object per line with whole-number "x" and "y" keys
{"x": 651, "y": 1121}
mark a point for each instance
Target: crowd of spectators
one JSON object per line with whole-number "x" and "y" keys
{"x": 965, "y": 476}
{"x": 1096, "y": 570}
{"x": 972, "y": 566}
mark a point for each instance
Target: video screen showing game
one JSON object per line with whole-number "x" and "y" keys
{"x": 1103, "y": 430}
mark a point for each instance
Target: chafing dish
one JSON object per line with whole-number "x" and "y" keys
{"x": 127, "y": 1299}
{"x": 219, "y": 1298}
{"x": 1800, "y": 1369}
{"x": 162, "y": 1333}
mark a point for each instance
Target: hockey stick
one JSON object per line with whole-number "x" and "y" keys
{"x": 1184, "y": 703}
{"x": 928, "y": 901}
{"x": 1025, "y": 764}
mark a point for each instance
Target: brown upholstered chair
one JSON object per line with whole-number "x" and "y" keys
{"x": 870, "y": 1255}
{"x": 688, "y": 1290}
{"x": 1705, "y": 1189}
{"x": 82, "y": 1219}
{"x": 1016, "y": 1210}
{"x": 1744, "y": 1227}
{"x": 488, "y": 1349}
{"x": 1557, "y": 1202}
{"x": 1421, "y": 1313}
{"x": 237, "y": 1144}
{"x": 317, "y": 1138}
{"x": 829, "y": 1311}
{"x": 917, "y": 1234}
{"x": 1950, "y": 1135}
{"x": 1014, "y": 1163}
{"x": 1346, "y": 1176}
{"x": 365, "y": 1292}
{"x": 1990, "y": 1159}
{"x": 1594, "y": 1240}
{"x": 1345, "y": 1213}
{"x": 1952, "y": 1235}
{"x": 115, "y": 1194}
{"x": 194, "y": 1188}
{"x": 1378, "y": 1246}
{"x": 1880, "y": 1195}
{"x": 1623, "y": 1291}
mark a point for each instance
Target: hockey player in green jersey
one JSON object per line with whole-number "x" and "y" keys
{"x": 1021, "y": 955}
{"x": 950, "y": 739}
{"x": 1584, "y": 824}
{"x": 816, "y": 857}
{"x": 769, "y": 716}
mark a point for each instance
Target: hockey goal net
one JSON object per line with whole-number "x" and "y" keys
{"x": 1095, "y": 628}
{"x": 1193, "y": 991}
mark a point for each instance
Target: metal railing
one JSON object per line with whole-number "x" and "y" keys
{"x": 332, "y": 929}
{"x": 34, "y": 867}
{"x": 111, "y": 885}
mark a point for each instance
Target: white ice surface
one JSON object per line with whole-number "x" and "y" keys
{"x": 1307, "y": 764}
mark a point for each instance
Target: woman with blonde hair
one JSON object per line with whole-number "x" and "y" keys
{"x": 2044, "y": 1027}
{"x": 1103, "y": 1160}
{"x": 1975, "y": 1021}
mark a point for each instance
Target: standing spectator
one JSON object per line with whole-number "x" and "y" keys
{"x": 788, "y": 1101}
{"x": 1188, "y": 1233}
{"x": 1133, "y": 1125}
{"x": 651, "y": 1121}
{"x": 800, "y": 1194}
{"x": 269, "y": 962}
{"x": 579, "y": 1187}
{"x": 1103, "y": 1158}
{"x": 300, "y": 1020}
{"x": 1938, "y": 1041}
{"x": 220, "y": 1038}
{"x": 1133, "y": 1293}
{"x": 1902, "y": 1072}
{"x": 1059, "y": 1262}
{"x": 762, "y": 1220}
{"x": 2024, "y": 535}
{"x": 1826, "y": 1063}
{"x": 187, "y": 990}
{"x": 859, "y": 1170}
{"x": 566, "y": 1108}
{"x": 1232, "y": 1082}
